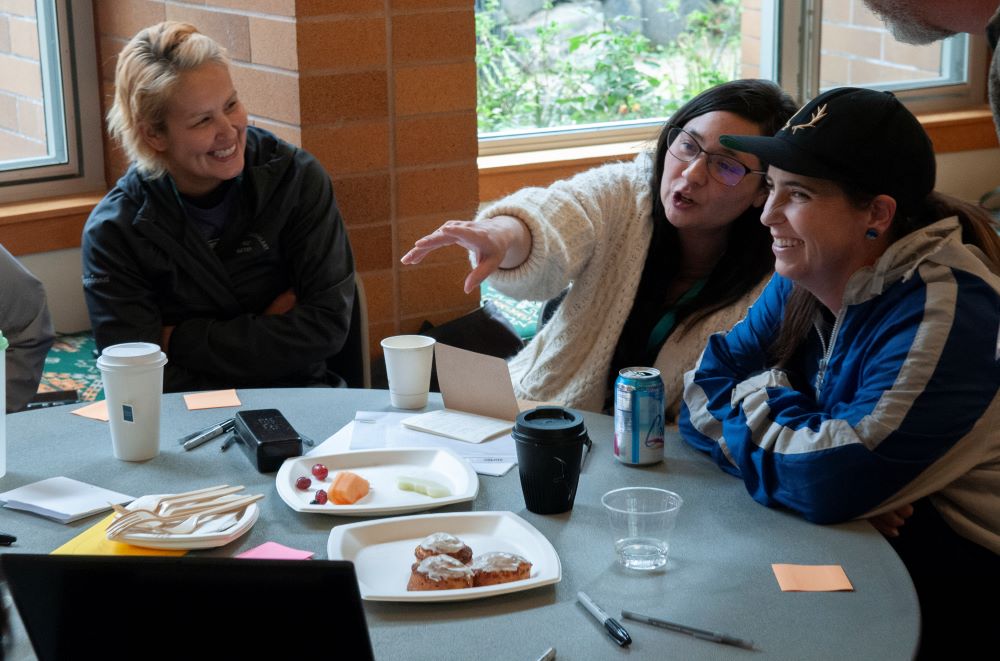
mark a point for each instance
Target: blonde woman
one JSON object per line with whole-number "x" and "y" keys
{"x": 222, "y": 243}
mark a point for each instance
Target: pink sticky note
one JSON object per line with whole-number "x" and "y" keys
{"x": 95, "y": 411}
{"x": 213, "y": 399}
{"x": 275, "y": 551}
{"x": 812, "y": 578}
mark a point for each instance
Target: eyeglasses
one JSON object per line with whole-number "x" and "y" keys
{"x": 724, "y": 169}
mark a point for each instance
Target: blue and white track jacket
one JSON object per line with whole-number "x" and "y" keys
{"x": 903, "y": 398}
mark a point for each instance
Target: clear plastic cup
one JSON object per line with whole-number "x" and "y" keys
{"x": 642, "y": 519}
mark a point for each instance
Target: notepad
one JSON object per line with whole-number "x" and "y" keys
{"x": 62, "y": 499}
{"x": 467, "y": 427}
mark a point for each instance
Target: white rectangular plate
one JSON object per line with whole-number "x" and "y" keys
{"x": 382, "y": 552}
{"x": 381, "y": 468}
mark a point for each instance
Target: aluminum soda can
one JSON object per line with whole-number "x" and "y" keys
{"x": 639, "y": 416}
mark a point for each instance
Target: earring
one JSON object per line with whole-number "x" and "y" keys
{"x": 871, "y": 234}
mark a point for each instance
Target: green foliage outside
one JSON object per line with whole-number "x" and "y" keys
{"x": 555, "y": 79}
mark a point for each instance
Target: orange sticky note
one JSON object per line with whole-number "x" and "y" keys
{"x": 93, "y": 541}
{"x": 213, "y": 399}
{"x": 812, "y": 578}
{"x": 95, "y": 411}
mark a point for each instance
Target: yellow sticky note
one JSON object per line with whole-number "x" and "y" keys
{"x": 96, "y": 411}
{"x": 93, "y": 542}
{"x": 812, "y": 578}
{"x": 213, "y": 399}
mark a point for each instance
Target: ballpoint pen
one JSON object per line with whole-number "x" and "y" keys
{"x": 207, "y": 435}
{"x": 7, "y": 540}
{"x": 702, "y": 634}
{"x": 550, "y": 655}
{"x": 615, "y": 630}
{"x": 226, "y": 444}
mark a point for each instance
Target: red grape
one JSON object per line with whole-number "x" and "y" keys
{"x": 321, "y": 497}
{"x": 320, "y": 471}
{"x": 303, "y": 483}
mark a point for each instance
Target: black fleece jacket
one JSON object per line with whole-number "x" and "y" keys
{"x": 146, "y": 266}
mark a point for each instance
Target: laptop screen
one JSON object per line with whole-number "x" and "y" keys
{"x": 187, "y": 607}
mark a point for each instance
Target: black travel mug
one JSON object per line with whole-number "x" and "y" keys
{"x": 549, "y": 442}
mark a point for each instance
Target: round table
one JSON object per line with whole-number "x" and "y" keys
{"x": 719, "y": 575}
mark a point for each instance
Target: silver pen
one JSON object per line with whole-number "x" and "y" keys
{"x": 212, "y": 432}
{"x": 702, "y": 634}
{"x": 550, "y": 655}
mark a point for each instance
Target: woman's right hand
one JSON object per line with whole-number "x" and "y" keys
{"x": 500, "y": 242}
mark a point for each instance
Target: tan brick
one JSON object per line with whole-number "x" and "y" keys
{"x": 107, "y": 55}
{"x": 358, "y": 43}
{"x": 750, "y": 56}
{"x": 351, "y": 147}
{"x": 435, "y": 88}
{"x": 380, "y": 294}
{"x": 21, "y": 76}
{"x": 861, "y": 15}
{"x": 4, "y": 34}
{"x": 433, "y": 288}
{"x": 926, "y": 58}
{"x": 18, "y": 7}
{"x": 837, "y": 11}
{"x": 867, "y": 73}
{"x": 372, "y": 246}
{"x": 24, "y": 38}
{"x": 304, "y": 8}
{"x": 834, "y": 70}
{"x": 14, "y": 147}
{"x": 276, "y": 7}
{"x": 438, "y": 36}
{"x": 231, "y": 30}
{"x": 272, "y": 42}
{"x": 31, "y": 119}
{"x": 851, "y": 41}
{"x": 750, "y": 25}
{"x": 287, "y": 132}
{"x": 268, "y": 94}
{"x": 337, "y": 97}
{"x": 364, "y": 199}
{"x": 436, "y": 139}
{"x": 411, "y": 229}
{"x": 427, "y": 191}
{"x": 124, "y": 18}
{"x": 8, "y": 111}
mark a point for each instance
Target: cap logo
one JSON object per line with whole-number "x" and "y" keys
{"x": 816, "y": 116}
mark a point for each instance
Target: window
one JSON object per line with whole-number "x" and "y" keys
{"x": 50, "y": 121}
{"x": 568, "y": 72}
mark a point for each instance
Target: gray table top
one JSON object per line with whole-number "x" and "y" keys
{"x": 719, "y": 576}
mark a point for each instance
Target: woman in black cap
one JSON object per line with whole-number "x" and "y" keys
{"x": 864, "y": 381}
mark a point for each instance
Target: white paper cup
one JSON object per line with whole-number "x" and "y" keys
{"x": 408, "y": 365}
{"x": 133, "y": 384}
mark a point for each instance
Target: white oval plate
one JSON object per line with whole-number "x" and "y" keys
{"x": 196, "y": 540}
{"x": 381, "y": 468}
{"x": 382, "y": 552}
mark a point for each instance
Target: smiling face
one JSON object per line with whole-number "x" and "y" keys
{"x": 819, "y": 233}
{"x": 204, "y": 134}
{"x": 693, "y": 200}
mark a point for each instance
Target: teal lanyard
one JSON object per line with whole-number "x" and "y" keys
{"x": 665, "y": 326}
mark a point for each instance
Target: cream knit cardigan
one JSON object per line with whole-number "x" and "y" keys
{"x": 592, "y": 231}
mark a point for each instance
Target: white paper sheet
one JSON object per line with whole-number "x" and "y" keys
{"x": 62, "y": 499}
{"x": 383, "y": 429}
{"x": 467, "y": 427}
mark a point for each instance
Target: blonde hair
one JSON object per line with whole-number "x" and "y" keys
{"x": 147, "y": 71}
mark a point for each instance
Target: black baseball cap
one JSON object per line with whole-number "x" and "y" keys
{"x": 860, "y": 137}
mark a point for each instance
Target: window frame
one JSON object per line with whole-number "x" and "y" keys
{"x": 80, "y": 167}
{"x": 796, "y": 22}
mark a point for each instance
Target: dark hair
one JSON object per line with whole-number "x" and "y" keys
{"x": 978, "y": 229}
{"x": 747, "y": 257}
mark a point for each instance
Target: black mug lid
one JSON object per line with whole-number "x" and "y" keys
{"x": 552, "y": 424}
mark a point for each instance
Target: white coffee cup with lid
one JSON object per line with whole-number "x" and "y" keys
{"x": 132, "y": 374}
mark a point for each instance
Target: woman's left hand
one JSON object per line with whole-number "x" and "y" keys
{"x": 889, "y": 523}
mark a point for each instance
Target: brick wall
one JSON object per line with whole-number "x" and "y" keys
{"x": 856, "y": 47}
{"x": 22, "y": 116}
{"x": 382, "y": 92}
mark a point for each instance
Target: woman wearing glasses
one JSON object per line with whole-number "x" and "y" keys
{"x": 865, "y": 381}
{"x": 658, "y": 253}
